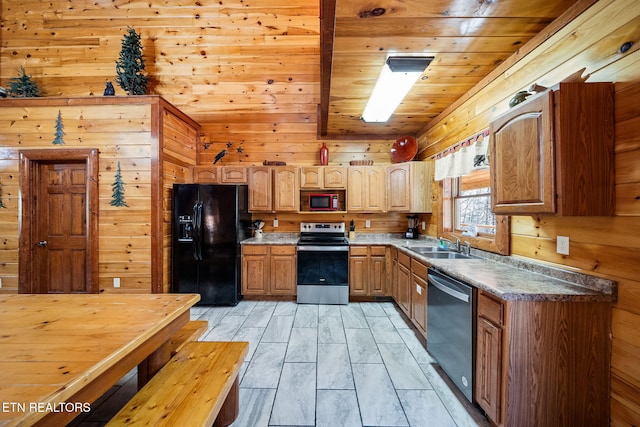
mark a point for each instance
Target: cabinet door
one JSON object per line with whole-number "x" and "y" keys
{"x": 233, "y": 175}
{"x": 377, "y": 271}
{"x": 394, "y": 274}
{"x": 404, "y": 289}
{"x": 358, "y": 275}
{"x": 311, "y": 177}
{"x": 260, "y": 189}
{"x": 286, "y": 189}
{"x": 283, "y": 271}
{"x": 419, "y": 303}
{"x": 398, "y": 190}
{"x": 488, "y": 368}
{"x": 335, "y": 177}
{"x": 205, "y": 174}
{"x": 356, "y": 188}
{"x": 522, "y": 178}
{"x": 255, "y": 271}
{"x": 376, "y": 184}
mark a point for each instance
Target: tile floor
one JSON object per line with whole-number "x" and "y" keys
{"x": 325, "y": 365}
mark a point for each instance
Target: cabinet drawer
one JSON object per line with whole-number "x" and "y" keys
{"x": 404, "y": 259}
{"x": 378, "y": 250}
{"x": 418, "y": 269}
{"x": 255, "y": 249}
{"x": 490, "y": 309}
{"x": 283, "y": 250}
{"x": 358, "y": 250}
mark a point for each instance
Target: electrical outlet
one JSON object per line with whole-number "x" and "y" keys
{"x": 275, "y": 222}
{"x": 367, "y": 223}
{"x": 0, "y": 282}
{"x": 562, "y": 245}
{"x": 418, "y": 289}
{"x": 424, "y": 225}
{"x": 116, "y": 282}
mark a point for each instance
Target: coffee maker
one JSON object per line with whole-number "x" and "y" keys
{"x": 412, "y": 231}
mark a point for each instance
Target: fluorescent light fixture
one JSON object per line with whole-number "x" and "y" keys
{"x": 398, "y": 76}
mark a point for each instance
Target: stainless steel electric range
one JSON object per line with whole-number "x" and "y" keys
{"x": 323, "y": 264}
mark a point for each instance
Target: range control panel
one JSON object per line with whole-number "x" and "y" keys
{"x": 322, "y": 227}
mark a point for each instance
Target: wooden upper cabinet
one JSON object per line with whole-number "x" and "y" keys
{"x": 220, "y": 174}
{"x": 260, "y": 189}
{"x": 366, "y": 187}
{"x": 335, "y": 177}
{"x": 274, "y": 189}
{"x": 311, "y": 177}
{"x": 205, "y": 174}
{"x": 555, "y": 153}
{"x": 323, "y": 177}
{"x": 233, "y": 175}
{"x": 286, "y": 189}
{"x": 409, "y": 187}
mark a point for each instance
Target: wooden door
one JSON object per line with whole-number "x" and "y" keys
{"x": 59, "y": 230}
{"x": 61, "y": 256}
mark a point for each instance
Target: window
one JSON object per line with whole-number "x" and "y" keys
{"x": 466, "y": 201}
{"x": 472, "y": 204}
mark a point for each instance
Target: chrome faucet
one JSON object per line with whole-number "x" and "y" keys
{"x": 466, "y": 248}
{"x": 450, "y": 245}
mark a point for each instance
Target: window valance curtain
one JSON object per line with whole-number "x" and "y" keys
{"x": 463, "y": 157}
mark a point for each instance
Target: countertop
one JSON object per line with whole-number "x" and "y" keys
{"x": 507, "y": 277}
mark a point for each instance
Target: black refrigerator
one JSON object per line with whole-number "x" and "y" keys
{"x": 209, "y": 222}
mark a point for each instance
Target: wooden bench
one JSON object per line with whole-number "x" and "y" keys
{"x": 156, "y": 360}
{"x": 198, "y": 387}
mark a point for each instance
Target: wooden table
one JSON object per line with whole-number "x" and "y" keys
{"x": 59, "y": 353}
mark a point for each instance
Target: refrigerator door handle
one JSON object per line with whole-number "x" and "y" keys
{"x": 200, "y": 231}
{"x": 196, "y": 231}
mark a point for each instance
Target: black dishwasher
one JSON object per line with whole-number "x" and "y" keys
{"x": 451, "y": 325}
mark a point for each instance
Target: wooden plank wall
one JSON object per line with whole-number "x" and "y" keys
{"x": 603, "y": 246}
{"x": 122, "y": 133}
{"x": 155, "y": 145}
{"x": 249, "y": 72}
{"x": 179, "y": 136}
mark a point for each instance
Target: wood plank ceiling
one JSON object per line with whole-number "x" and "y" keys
{"x": 468, "y": 39}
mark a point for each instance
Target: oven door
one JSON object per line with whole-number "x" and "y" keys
{"x": 323, "y": 265}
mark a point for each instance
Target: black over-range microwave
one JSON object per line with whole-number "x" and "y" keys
{"x": 323, "y": 202}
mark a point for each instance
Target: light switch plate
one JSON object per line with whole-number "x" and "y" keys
{"x": 116, "y": 282}
{"x": 367, "y": 224}
{"x": 562, "y": 246}
{"x": 275, "y": 223}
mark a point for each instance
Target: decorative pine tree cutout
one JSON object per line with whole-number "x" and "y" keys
{"x": 22, "y": 86}
{"x": 130, "y": 65}
{"x": 117, "y": 199}
{"x": 58, "y": 140}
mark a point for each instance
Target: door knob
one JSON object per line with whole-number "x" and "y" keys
{"x": 42, "y": 243}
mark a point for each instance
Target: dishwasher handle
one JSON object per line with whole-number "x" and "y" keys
{"x": 442, "y": 285}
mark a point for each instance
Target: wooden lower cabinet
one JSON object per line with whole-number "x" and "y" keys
{"x": 489, "y": 355}
{"x": 268, "y": 270}
{"x": 367, "y": 270}
{"x": 404, "y": 283}
{"x": 543, "y": 363}
{"x": 419, "y": 295}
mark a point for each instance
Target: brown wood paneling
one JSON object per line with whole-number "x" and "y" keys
{"x": 124, "y": 130}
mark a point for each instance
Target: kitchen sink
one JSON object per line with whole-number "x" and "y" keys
{"x": 445, "y": 255}
{"x": 427, "y": 249}
{"x": 437, "y": 252}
